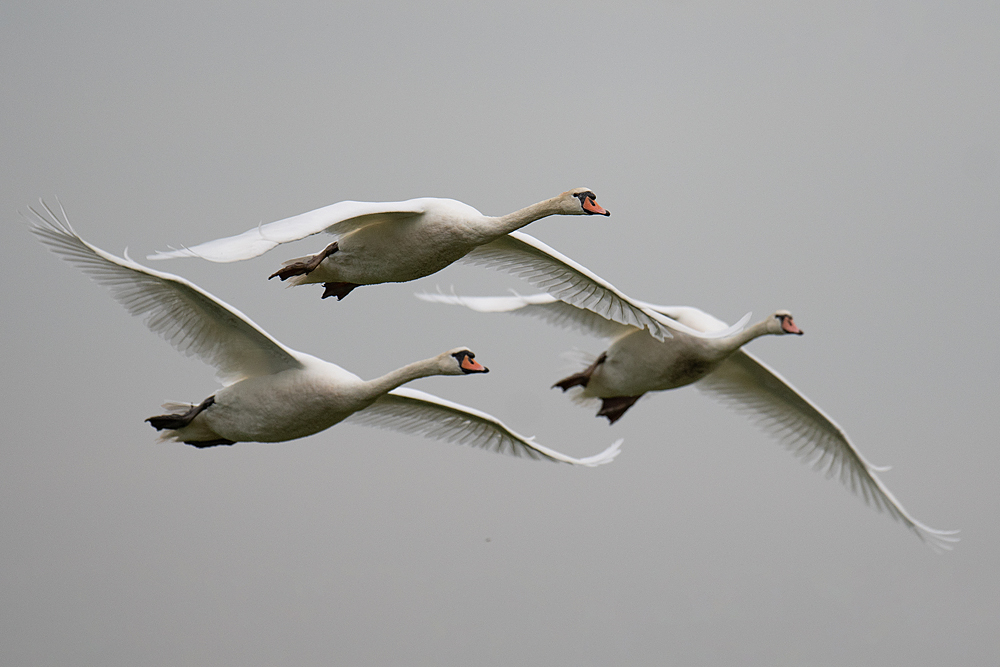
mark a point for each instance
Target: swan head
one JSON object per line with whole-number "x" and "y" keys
{"x": 460, "y": 361}
{"x": 580, "y": 201}
{"x": 781, "y": 323}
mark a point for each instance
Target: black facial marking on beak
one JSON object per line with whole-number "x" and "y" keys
{"x": 588, "y": 201}
{"x": 788, "y": 325}
{"x": 468, "y": 364}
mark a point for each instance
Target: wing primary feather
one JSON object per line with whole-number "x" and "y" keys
{"x": 749, "y": 386}
{"x": 190, "y": 319}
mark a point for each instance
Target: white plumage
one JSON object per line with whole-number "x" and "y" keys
{"x": 270, "y": 392}
{"x": 380, "y": 242}
{"x": 636, "y": 363}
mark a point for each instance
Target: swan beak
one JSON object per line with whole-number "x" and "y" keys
{"x": 593, "y": 208}
{"x": 470, "y": 365}
{"x": 789, "y": 326}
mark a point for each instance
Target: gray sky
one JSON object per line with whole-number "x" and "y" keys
{"x": 840, "y": 161}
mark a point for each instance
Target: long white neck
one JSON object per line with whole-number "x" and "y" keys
{"x": 400, "y": 376}
{"x": 730, "y": 344}
{"x": 513, "y": 221}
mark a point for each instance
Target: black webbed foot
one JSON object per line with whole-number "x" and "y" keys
{"x": 339, "y": 290}
{"x": 175, "y": 422}
{"x": 613, "y": 408}
{"x": 202, "y": 444}
{"x": 583, "y": 378}
{"x": 306, "y": 267}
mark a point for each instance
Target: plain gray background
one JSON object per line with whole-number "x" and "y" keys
{"x": 837, "y": 159}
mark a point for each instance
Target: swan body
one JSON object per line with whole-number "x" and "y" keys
{"x": 297, "y": 402}
{"x": 635, "y": 363}
{"x": 380, "y": 242}
{"x": 270, "y": 392}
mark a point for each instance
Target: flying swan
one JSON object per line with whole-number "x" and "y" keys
{"x": 401, "y": 241}
{"x": 272, "y": 393}
{"x": 383, "y": 242}
{"x": 636, "y": 363}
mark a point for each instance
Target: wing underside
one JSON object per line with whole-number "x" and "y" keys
{"x": 749, "y": 386}
{"x": 412, "y": 411}
{"x": 192, "y": 320}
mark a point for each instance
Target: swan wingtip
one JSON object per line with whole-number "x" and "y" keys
{"x": 607, "y": 456}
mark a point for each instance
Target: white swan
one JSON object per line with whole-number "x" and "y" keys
{"x": 272, "y": 393}
{"x": 636, "y": 363}
{"x": 382, "y": 242}
{"x": 418, "y": 237}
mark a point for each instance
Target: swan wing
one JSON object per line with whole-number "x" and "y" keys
{"x": 689, "y": 316}
{"x": 339, "y": 219}
{"x": 412, "y": 411}
{"x": 528, "y": 258}
{"x": 748, "y": 385}
{"x": 189, "y": 318}
{"x": 560, "y": 313}
{"x": 544, "y": 306}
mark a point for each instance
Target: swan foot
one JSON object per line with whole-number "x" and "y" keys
{"x": 306, "y": 267}
{"x": 202, "y": 444}
{"x": 613, "y": 408}
{"x": 339, "y": 290}
{"x": 174, "y": 422}
{"x": 583, "y": 378}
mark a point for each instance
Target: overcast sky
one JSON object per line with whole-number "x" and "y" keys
{"x": 839, "y": 160}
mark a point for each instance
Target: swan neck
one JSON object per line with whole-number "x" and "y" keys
{"x": 401, "y": 376}
{"x": 514, "y": 221}
{"x": 738, "y": 340}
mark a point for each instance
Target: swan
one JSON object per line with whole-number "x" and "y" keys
{"x": 378, "y": 234}
{"x": 636, "y": 363}
{"x": 270, "y": 392}
{"x": 383, "y": 242}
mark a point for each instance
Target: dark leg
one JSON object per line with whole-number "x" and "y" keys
{"x": 175, "y": 422}
{"x": 306, "y": 267}
{"x": 339, "y": 290}
{"x": 613, "y": 408}
{"x": 583, "y": 378}
{"x": 202, "y": 444}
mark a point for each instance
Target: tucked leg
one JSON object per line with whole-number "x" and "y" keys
{"x": 581, "y": 379}
{"x": 339, "y": 290}
{"x": 175, "y": 422}
{"x": 202, "y": 444}
{"x": 613, "y": 408}
{"x": 306, "y": 267}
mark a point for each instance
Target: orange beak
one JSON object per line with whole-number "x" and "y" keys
{"x": 789, "y": 326}
{"x": 593, "y": 208}
{"x": 473, "y": 366}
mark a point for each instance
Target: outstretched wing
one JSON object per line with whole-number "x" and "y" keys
{"x": 189, "y": 318}
{"x": 559, "y": 313}
{"x": 412, "y": 411}
{"x": 528, "y": 258}
{"x": 749, "y": 386}
{"x": 544, "y": 306}
{"x": 338, "y": 219}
